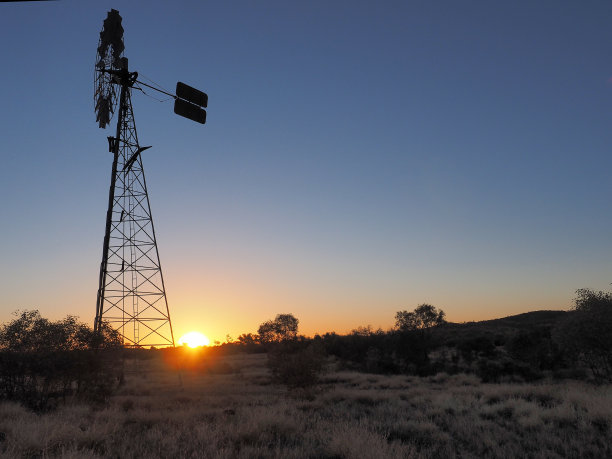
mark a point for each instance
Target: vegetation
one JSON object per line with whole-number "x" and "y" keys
{"x": 284, "y": 327}
{"x": 523, "y": 386}
{"x": 542, "y": 344}
{"x": 43, "y": 362}
{"x": 240, "y": 414}
{"x": 586, "y": 334}
{"x": 297, "y": 363}
{"x": 422, "y": 319}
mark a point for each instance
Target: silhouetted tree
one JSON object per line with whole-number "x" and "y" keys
{"x": 423, "y": 318}
{"x": 248, "y": 342}
{"x": 415, "y": 335}
{"x": 586, "y": 333}
{"x": 283, "y": 327}
{"x": 41, "y": 360}
{"x": 292, "y": 360}
{"x": 296, "y": 364}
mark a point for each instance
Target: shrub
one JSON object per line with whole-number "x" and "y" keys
{"x": 478, "y": 346}
{"x": 503, "y": 369}
{"x": 296, "y": 365}
{"x": 283, "y": 327}
{"x": 42, "y": 362}
{"x": 586, "y": 333}
{"x": 416, "y": 338}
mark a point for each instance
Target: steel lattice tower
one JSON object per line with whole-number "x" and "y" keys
{"x": 131, "y": 293}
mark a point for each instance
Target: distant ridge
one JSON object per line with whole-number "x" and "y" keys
{"x": 502, "y": 327}
{"x": 526, "y": 319}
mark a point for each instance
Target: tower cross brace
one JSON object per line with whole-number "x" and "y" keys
{"x": 131, "y": 293}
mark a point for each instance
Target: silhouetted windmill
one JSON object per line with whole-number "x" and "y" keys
{"x": 131, "y": 292}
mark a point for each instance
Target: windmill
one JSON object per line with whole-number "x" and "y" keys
{"x": 131, "y": 294}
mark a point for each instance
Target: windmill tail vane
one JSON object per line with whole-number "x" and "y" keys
{"x": 131, "y": 292}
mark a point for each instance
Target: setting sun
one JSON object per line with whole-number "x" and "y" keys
{"x": 194, "y": 339}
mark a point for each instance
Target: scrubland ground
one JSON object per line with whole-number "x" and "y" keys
{"x": 232, "y": 410}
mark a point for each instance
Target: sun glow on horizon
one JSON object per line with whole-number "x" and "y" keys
{"x": 193, "y": 339}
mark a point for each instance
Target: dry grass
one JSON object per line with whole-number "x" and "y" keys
{"x": 238, "y": 413}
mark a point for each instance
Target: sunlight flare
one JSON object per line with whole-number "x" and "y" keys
{"x": 194, "y": 339}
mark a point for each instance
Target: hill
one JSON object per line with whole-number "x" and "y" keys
{"x": 499, "y": 330}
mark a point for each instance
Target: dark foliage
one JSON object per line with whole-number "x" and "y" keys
{"x": 296, "y": 363}
{"x": 404, "y": 350}
{"x": 472, "y": 349}
{"x": 416, "y": 337}
{"x": 363, "y": 350}
{"x": 586, "y": 334}
{"x": 524, "y": 347}
{"x": 249, "y": 343}
{"x": 503, "y": 368}
{"x": 536, "y": 348}
{"x": 293, "y": 361}
{"x": 283, "y": 327}
{"x": 43, "y": 362}
{"x": 513, "y": 348}
{"x": 498, "y": 331}
{"x": 423, "y": 318}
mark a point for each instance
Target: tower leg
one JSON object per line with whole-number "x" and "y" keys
{"x": 131, "y": 293}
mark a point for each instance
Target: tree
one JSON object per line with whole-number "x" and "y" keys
{"x": 423, "y": 318}
{"x": 284, "y": 327}
{"x": 415, "y": 336}
{"x": 586, "y": 333}
{"x": 248, "y": 342}
{"x": 30, "y": 332}
{"x": 42, "y": 361}
{"x": 296, "y": 364}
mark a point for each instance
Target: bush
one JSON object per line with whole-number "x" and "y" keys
{"x": 42, "y": 362}
{"x": 475, "y": 347}
{"x": 296, "y": 365}
{"x": 503, "y": 369}
{"x": 536, "y": 348}
{"x": 283, "y": 327}
{"x": 416, "y": 336}
{"x": 585, "y": 335}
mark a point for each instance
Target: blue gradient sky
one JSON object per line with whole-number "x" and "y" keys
{"x": 359, "y": 158}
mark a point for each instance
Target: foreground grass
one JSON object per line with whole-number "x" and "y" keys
{"x": 234, "y": 411}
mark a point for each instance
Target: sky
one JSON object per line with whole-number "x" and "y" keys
{"x": 359, "y": 158}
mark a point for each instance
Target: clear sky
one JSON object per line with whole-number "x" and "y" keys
{"x": 359, "y": 158}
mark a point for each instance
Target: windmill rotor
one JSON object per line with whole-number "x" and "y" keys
{"x": 111, "y": 72}
{"x": 108, "y": 58}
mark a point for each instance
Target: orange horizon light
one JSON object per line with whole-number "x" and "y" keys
{"x": 194, "y": 339}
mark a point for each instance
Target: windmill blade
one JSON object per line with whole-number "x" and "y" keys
{"x": 193, "y": 95}
{"x": 189, "y": 110}
{"x": 188, "y": 101}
